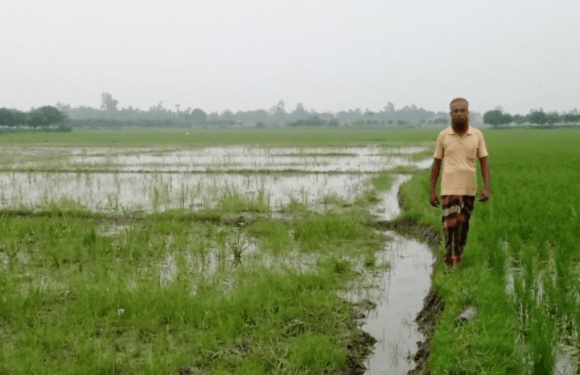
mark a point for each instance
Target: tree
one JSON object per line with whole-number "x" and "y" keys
{"x": 108, "y": 103}
{"x": 278, "y": 112}
{"x": 198, "y": 117}
{"x": 228, "y": 115}
{"x": 390, "y": 107}
{"x": 496, "y": 118}
{"x": 519, "y": 119}
{"x": 299, "y": 113}
{"x": 552, "y": 118}
{"x": 537, "y": 117}
{"x": 571, "y": 117}
{"x": 12, "y": 117}
{"x": 45, "y": 116}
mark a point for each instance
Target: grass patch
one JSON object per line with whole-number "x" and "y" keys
{"x": 380, "y": 182}
{"x": 78, "y": 299}
{"x": 231, "y": 200}
{"x": 208, "y": 137}
{"x": 272, "y": 235}
{"x": 332, "y": 232}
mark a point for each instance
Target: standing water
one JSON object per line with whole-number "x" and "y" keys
{"x": 398, "y": 293}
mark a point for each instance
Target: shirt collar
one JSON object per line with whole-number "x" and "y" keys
{"x": 469, "y": 131}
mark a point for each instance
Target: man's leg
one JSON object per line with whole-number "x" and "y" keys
{"x": 463, "y": 219}
{"x": 451, "y": 206}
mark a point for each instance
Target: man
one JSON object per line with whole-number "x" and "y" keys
{"x": 457, "y": 148}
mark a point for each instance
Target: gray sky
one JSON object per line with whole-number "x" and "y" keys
{"x": 328, "y": 54}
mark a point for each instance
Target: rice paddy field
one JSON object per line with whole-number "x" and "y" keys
{"x": 265, "y": 252}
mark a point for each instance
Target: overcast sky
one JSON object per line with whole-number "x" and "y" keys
{"x": 330, "y": 55}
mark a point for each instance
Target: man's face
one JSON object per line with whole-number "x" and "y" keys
{"x": 459, "y": 114}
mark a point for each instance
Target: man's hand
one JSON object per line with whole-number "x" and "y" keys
{"x": 433, "y": 198}
{"x": 484, "y": 196}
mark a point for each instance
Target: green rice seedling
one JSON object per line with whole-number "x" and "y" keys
{"x": 62, "y": 205}
{"x": 238, "y": 244}
{"x": 370, "y": 260}
{"x": 271, "y": 235}
{"x": 337, "y": 266}
{"x": 334, "y": 199}
{"x": 369, "y": 195}
{"x": 541, "y": 338}
{"x": 405, "y": 169}
{"x": 330, "y": 231}
{"x": 296, "y": 206}
{"x": 382, "y": 181}
{"x": 230, "y": 200}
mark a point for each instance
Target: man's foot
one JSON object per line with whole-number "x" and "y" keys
{"x": 449, "y": 260}
{"x": 455, "y": 260}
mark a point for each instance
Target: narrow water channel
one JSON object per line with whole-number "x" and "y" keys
{"x": 399, "y": 293}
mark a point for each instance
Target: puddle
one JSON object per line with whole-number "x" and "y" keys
{"x": 565, "y": 365}
{"x": 388, "y": 206}
{"x": 167, "y": 270}
{"x": 399, "y": 294}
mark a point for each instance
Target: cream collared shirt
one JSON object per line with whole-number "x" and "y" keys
{"x": 459, "y": 155}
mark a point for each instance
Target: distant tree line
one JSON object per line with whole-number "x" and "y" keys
{"x": 110, "y": 115}
{"x": 35, "y": 118}
{"x": 498, "y": 118}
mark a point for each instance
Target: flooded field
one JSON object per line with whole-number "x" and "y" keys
{"x": 147, "y": 179}
{"x": 243, "y": 282}
{"x": 211, "y": 159}
{"x": 122, "y": 192}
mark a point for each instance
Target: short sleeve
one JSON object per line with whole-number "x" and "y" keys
{"x": 481, "y": 150}
{"x": 439, "y": 149}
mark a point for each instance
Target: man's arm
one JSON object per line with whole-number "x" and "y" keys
{"x": 434, "y": 176}
{"x": 485, "y": 173}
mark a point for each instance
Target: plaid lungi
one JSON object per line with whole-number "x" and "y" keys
{"x": 456, "y": 213}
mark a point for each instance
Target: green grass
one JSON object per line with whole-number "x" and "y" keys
{"x": 77, "y": 301}
{"x": 87, "y": 292}
{"x": 333, "y": 231}
{"x": 162, "y": 292}
{"x": 208, "y": 137}
{"x": 529, "y": 224}
{"x": 96, "y": 292}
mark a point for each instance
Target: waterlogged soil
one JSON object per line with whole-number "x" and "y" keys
{"x": 393, "y": 304}
{"x": 121, "y": 192}
{"x": 214, "y": 159}
{"x": 147, "y": 179}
